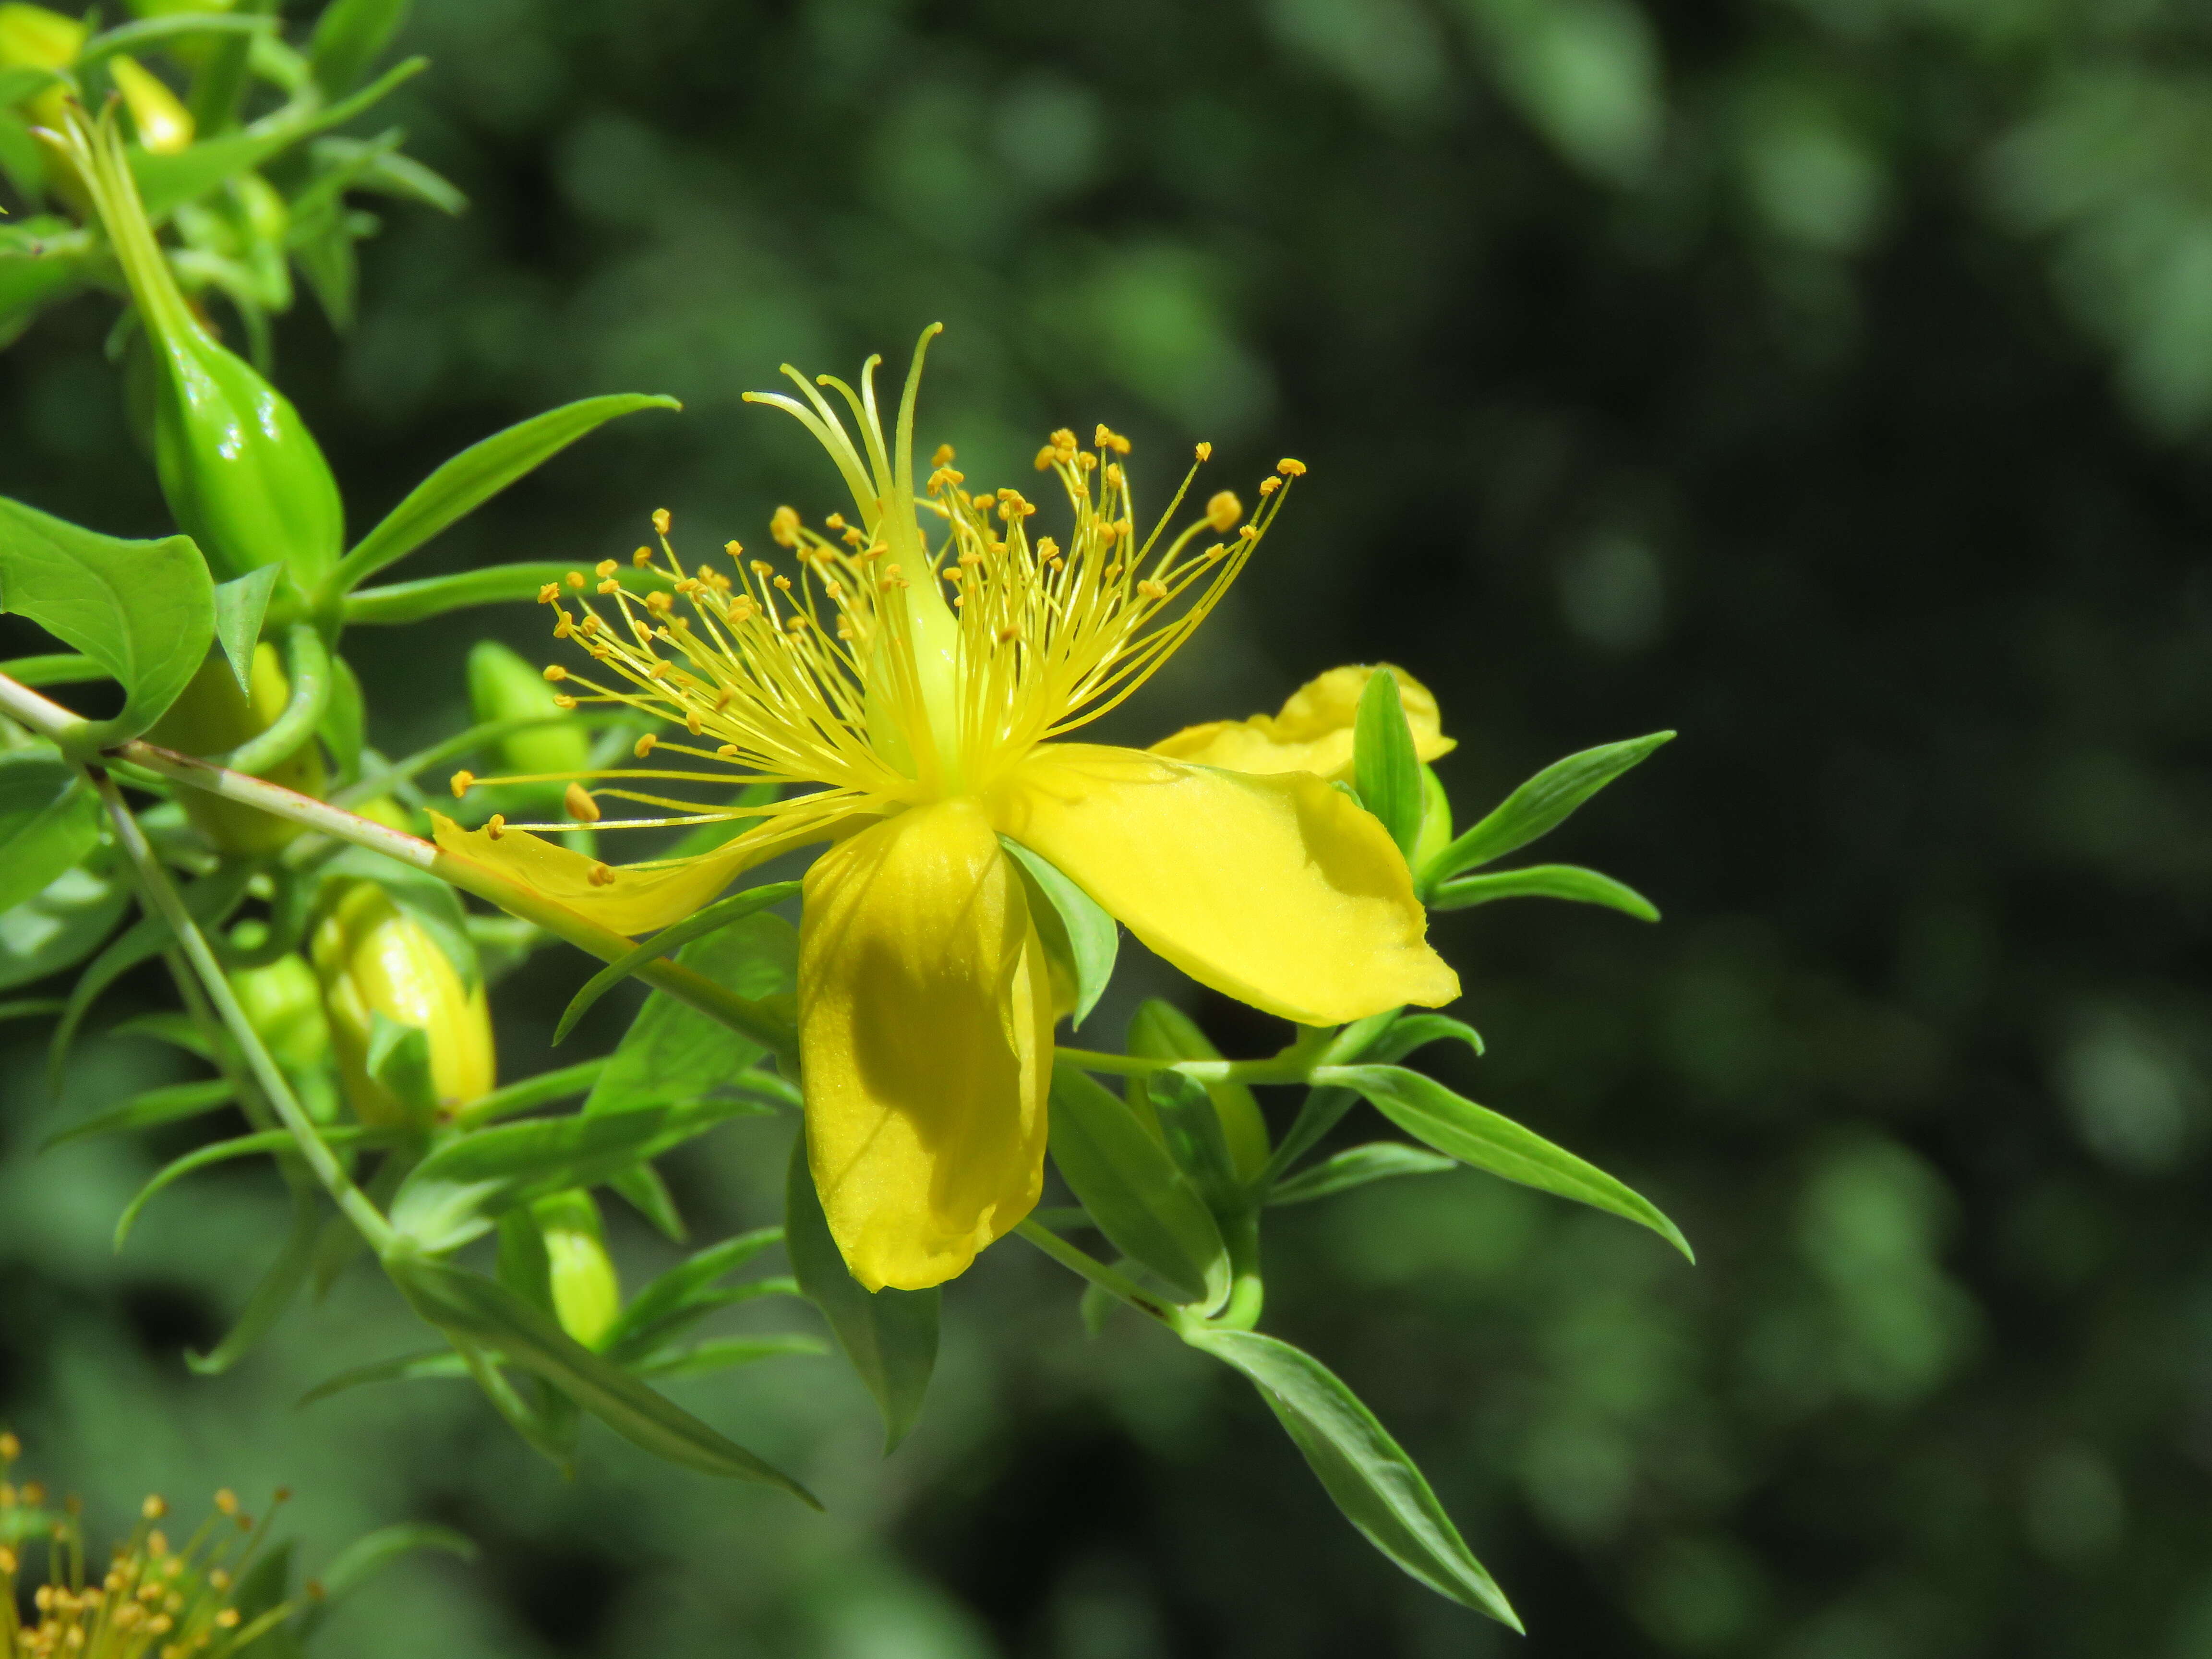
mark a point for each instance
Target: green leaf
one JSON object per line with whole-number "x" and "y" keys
{"x": 49, "y": 819}
{"x": 173, "y": 1103}
{"x": 367, "y": 1556}
{"x": 1540, "y": 805}
{"x": 400, "y": 1062}
{"x": 239, "y": 605}
{"x": 137, "y": 35}
{"x": 1132, "y": 1189}
{"x": 348, "y": 37}
{"x": 221, "y": 1152}
{"x": 644, "y": 1191}
{"x": 1160, "y": 1031}
{"x": 143, "y": 610}
{"x": 479, "y": 473}
{"x": 724, "y": 1352}
{"x": 1557, "y": 881}
{"x": 441, "y": 1363}
{"x": 1075, "y": 929}
{"x": 345, "y": 719}
{"x": 720, "y": 914}
{"x": 532, "y": 1091}
{"x": 60, "y": 927}
{"x": 890, "y": 1336}
{"x": 1386, "y": 768}
{"x": 1356, "y": 1166}
{"x": 474, "y": 1308}
{"x": 1411, "y": 1031}
{"x": 273, "y": 1295}
{"x": 672, "y": 1052}
{"x": 54, "y": 668}
{"x": 678, "y": 1288}
{"x": 501, "y": 584}
{"x": 1427, "y": 1110}
{"x": 1366, "y": 1472}
{"x": 456, "y": 1192}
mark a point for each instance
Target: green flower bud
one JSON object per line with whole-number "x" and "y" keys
{"x": 211, "y": 716}
{"x": 32, "y": 37}
{"x": 586, "y": 1293}
{"x": 503, "y": 686}
{"x": 375, "y": 959}
{"x": 164, "y": 125}
{"x": 239, "y": 468}
{"x": 284, "y": 1005}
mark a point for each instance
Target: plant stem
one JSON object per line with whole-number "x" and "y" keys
{"x": 160, "y": 895}
{"x": 1114, "y": 1284}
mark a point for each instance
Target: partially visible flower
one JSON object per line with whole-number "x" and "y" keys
{"x": 923, "y": 691}
{"x": 154, "y": 1601}
{"x": 1313, "y": 731}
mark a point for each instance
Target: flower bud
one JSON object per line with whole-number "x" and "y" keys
{"x": 586, "y": 1293}
{"x": 284, "y": 1005}
{"x": 212, "y": 715}
{"x": 32, "y": 37}
{"x": 239, "y": 469}
{"x": 375, "y": 959}
{"x": 503, "y": 686}
{"x": 164, "y": 125}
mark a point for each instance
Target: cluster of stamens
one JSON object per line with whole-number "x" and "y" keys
{"x": 786, "y": 676}
{"x": 154, "y": 1602}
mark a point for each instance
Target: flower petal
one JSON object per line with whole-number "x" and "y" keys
{"x": 630, "y": 899}
{"x": 1312, "y": 732}
{"x": 1279, "y": 891}
{"x": 925, "y": 1038}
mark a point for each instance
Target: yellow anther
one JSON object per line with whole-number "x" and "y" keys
{"x": 1206, "y": 452}
{"x": 577, "y": 802}
{"x": 610, "y": 585}
{"x": 562, "y": 699}
{"x": 1010, "y": 633}
{"x": 660, "y": 521}
{"x": 1113, "y": 474}
{"x": 733, "y": 548}
{"x": 1269, "y": 486}
{"x": 601, "y": 876}
{"x": 555, "y": 673}
{"x": 1063, "y": 438}
{"x": 1223, "y": 511}
{"x": 548, "y": 593}
{"x": 783, "y": 527}
{"x": 227, "y": 1619}
{"x": 783, "y": 584}
{"x": 496, "y": 825}
{"x": 227, "y": 1501}
{"x": 762, "y": 566}
{"x": 1152, "y": 590}
{"x": 1290, "y": 469}
{"x": 461, "y": 781}
{"x": 1048, "y": 549}
{"x": 659, "y": 602}
{"x": 1046, "y": 457}
{"x": 155, "y": 1505}
{"x": 575, "y": 579}
{"x": 645, "y": 745}
{"x": 604, "y": 567}
{"x": 727, "y": 751}
{"x": 943, "y": 456}
{"x": 643, "y": 557}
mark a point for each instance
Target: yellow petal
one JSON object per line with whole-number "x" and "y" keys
{"x": 925, "y": 1037}
{"x": 1313, "y": 732}
{"x": 630, "y": 898}
{"x": 1279, "y": 891}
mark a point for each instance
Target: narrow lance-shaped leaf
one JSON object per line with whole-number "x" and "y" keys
{"x": 1555, "y": 881}
{"x": 1386, "y": 769}
{"x": 720, "y": 914}
{"x": 143, "y": 610}
{"x": 1540, "y": 805}
{"x": 890, "y": 1336}
{"x": 1423, "y": 1108}
{"x": 1132, "y": 1189}
{"x": 479, "y": 473}
{"x": 1366, "y": 1472}
{"x": 1355, "y": 1166}
{"x": 48, "y": 821}
{"x": 476, "y": 1309}
{"x": 674, "y": 1290}
{"x": 500, "y": 584}
{"x": 279, "y": 1286}
{"x": 672, "y": 1052}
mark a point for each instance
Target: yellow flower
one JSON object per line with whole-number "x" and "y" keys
{"x": 927, "y": 691}
{"x": 1313, "y": 732}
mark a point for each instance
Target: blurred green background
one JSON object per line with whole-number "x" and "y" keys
{"x": 1828, "y": 380}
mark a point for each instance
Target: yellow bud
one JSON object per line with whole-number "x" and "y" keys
{"x": 375, "y": 959}
{"x": 164, "y": 125}
{"x": 586, "y": 1291}
{"x": 213, "y": 715}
